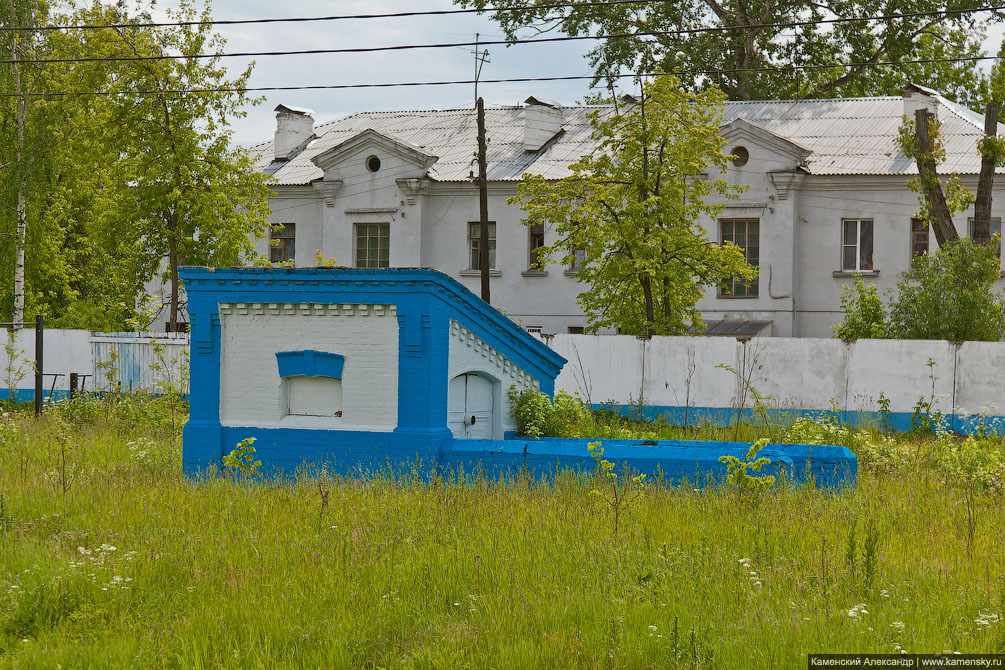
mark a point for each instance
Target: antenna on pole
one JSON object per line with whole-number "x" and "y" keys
{"x": 481, "y": 57}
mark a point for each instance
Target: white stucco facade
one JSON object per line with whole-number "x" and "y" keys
{"x": 810, "y": 166}
{"x": 252, "y": 392}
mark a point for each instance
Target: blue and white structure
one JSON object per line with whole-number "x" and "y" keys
{"x": 354, "y": 368}
{"x": 358, "y": 370}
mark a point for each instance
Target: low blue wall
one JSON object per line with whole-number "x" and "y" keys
{"x": 364, "y": 454}
{"x": 963, "y": 424}
{"x": 673, "y": 461}
{"x": 28, "y": 395}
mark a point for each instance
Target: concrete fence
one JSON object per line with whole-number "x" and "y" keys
{"x": 688, "y": 379}
{"x": 708, "y": 378}
{"x": 102, "y": 361}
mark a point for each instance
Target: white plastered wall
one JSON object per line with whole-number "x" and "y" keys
{"x": 469, "y": 353}
{"x": 251, "y": 390}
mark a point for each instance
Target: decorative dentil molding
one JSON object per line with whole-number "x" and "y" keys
{"x": 305, "y": 309}
{"x": 487, "y": 351}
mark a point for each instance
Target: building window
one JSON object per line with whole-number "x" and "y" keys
{"x": 856, "y": 245}
{"x": 919, "y": 238}
{"x": 996, "y": 229}
{"x": 534, "y": 329}
{"x": 535, "y": 262}
{"x": 474, "y": 240}
{"x": 575, "y": 330}
{"x": 578, "y": 259}
{"x": 282, "y": 246}
{"x": 746, "y": 234}
{"x": 373, "y": 245}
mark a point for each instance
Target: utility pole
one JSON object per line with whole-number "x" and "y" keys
{"x": 483, "y": 204}
{"x": 481, "y": 57}
{"x": 19, "y": 175}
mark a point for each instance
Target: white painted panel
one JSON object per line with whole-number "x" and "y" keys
{"x": 456, "y": 403}
{"x": 251, "y": 390}
{"x": 315, "y": 396}
{"x": 478, "y": 408}
{"x": 470, "y": 353}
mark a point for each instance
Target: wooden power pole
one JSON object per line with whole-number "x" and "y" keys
{"x": 483, "y": 205}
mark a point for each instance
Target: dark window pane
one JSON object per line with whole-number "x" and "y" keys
{"x": 849, "y": 258}
{"x": 850, "y": 232}
{"x": 865, "y": 251}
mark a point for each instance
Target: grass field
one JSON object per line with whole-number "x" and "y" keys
{"x": 110, "y": 558}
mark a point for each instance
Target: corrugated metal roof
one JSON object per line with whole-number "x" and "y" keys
{"x": 845, "y": 136}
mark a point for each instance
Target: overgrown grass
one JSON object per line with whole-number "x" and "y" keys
{"x": 110, "y": 558}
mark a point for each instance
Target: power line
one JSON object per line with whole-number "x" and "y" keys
{"x": 305, "y": 19}
{"x": 468, "y": 82}
{"x": 542, "y": 40}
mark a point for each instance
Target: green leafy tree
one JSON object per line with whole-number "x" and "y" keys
{"x": 628, "y": 214}
{"x": 949, "y": 295}
{"x": 756, "y": 58}
{"x": 30, "y": 246}
{"x": 128, "y": 186}
{"x": 187, "y": 197}
{"x": 864, "y": 313}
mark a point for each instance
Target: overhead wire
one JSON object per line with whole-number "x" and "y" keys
{"x": 509, "y": 80}
{"x": 505, "y": 42}
{"x": 306, "y": 19}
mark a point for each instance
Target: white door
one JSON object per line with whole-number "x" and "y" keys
{"x": 469, "y": 407}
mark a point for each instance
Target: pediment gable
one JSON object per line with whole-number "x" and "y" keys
{"x": 373, "y": 140}
{"x": 741, "y": 130}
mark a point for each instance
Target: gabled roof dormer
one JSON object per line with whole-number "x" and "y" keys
{"x": 740, "y": 131}
{"x": 368, "y": 142}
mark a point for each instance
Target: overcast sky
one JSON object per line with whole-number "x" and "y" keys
{"x": 553, "y": 59}
{"x": 560, "y": 59}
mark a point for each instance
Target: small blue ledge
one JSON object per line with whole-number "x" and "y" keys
{"x": 310, "y": 363}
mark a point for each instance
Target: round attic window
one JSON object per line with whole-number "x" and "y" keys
{"x": 372, "y": 163}
{"x": 742, "y": 156}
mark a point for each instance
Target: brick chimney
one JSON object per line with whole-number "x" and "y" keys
{"x": 542, "y": 120}
{"x": 294, "y": 126}
{"x": 917, "y": 97}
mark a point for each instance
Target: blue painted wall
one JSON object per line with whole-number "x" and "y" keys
{"x": 673, "y": 461}
{"x": 723, "y": 416}
{"x": 425, "y": 300}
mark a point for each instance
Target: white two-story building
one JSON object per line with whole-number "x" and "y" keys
{"x": 827, "y": 197}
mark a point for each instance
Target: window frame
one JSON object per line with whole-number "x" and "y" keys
{"x": 287, "y": 247}
{"x": 915, "y": 237}
{"x": 739, "y": 289}
{"x": 535, "y": 234}
{"x": 474, "y": 239}
{"x": 995, "y": 221}
{"x": 857, "y": 246}
{"x": 383, "y": 259}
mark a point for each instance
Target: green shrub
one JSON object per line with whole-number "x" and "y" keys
{"x": 949, "y": 295}
{"x": 537, "y": 415}
{"x": 864, "y": 314}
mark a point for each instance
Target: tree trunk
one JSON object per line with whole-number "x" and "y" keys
{"x": 647, "y": 285}
{"x": 985, "y": 184}
{"x": 20, "y": 172}
{"x": 945, "y": 231}
{"x": 173, "y": 266}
